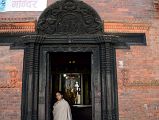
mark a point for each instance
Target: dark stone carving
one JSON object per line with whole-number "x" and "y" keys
{"x": 36, "y": 80}
{"x": 69, "y": 17}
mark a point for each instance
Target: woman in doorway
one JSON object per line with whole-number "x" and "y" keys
{"x": 61, "y": 109}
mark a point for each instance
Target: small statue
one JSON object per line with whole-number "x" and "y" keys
{"x": 78, "y": 96}
{"x": 77, "y": 86}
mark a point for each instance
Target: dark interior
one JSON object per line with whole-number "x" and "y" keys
{"x": 70, "y": 67}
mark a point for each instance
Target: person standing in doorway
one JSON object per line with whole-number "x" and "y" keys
{"x": 61, "y": 109}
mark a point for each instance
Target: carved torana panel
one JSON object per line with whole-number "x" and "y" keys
{"x": 69, "y": 17}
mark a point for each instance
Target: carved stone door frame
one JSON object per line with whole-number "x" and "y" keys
{"x": 46, "y": 50}
{"x": 35, "y": 92}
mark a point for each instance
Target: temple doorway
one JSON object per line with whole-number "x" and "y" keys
{"x": 70, "y": 52}
{"x": 71, "y": 74}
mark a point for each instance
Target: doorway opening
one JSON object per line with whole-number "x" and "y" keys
{"x": 71, "y": 74}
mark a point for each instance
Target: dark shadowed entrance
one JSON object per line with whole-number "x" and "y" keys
{"x": 71, "y": 73}
{"x": 67, "y": 69}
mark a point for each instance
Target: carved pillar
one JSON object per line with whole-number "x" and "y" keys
{"x": 30, "y": 80}
{"x": 108, "y": 79}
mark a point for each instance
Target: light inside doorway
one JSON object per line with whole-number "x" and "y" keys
{"x": 73, "y": 87}
{"x": 71, "y": 73}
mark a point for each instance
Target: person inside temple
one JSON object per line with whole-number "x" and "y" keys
{"x": 61, "y": 109}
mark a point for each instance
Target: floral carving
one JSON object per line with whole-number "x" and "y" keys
{"x": 69, "y": 17}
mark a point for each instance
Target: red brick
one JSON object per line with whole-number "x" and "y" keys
{"x": 138, "y": 80}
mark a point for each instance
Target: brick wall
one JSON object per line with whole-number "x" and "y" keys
{"x": 10, "y": 83}
{"x": 138, "y": 67}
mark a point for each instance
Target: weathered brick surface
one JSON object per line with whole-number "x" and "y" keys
{"x": 10, "y": 103}
{"x": 138, "y": 78}
{"x": 10, "y": 83}
{"x": 137, "y": 68}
